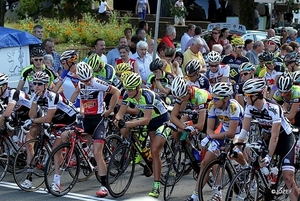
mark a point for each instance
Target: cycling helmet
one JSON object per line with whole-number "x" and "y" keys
{"x": 3, "y": 79}
{"x": 41, "y": 77}
{"x": 222, "y": 89}
{"x": 94, "y": 61}
{"x": 275, "y": 40}
{"x": 260, "y": 57}
{"x": 247, "y": 66}
{"x": 125, "y": 74}
{"x": 296, "y": 77}
{"x": 123, "y": 67}
{"x": 267, "y": 56}
{"x": 214, "y": 56}
{"x": 284, "y": 82}
{"x": 236, "y": 40}
{"x": 84, "y": 71}
{"x": 192, "y": 66}
{"x": 179, "y": 87}
{"x": 156, "y": 64}
{"x": 37, "y": 52}
{"x": 69, "y": 56}
{"x": 291, "y": 57}
{"x": 279, "y": 67}
{"x": 132, "y": 81}
{"x": 254, "y": 86}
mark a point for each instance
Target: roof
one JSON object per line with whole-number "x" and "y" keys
{"x": 16, "y": 38}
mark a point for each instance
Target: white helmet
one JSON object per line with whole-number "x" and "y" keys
{"x": 222, "y": 89}
{"x": 179, "y": 87}
{"x": 254, "y": 86}
{"x": 3, "y": 79}
{"x": 213, "y": 57}
{"x": 284, "y": 83}
{"x": 296, "y": 76}
{"x": 84, "y": 71}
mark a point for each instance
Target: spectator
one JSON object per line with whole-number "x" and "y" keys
{"x": 172, "y": 66}
{"x": 134, "y": 40}
{"x": 179, "y": 19}
{"x": 114, "y": 54}
{"x": 271, "y": 33}
{"x": 141, "y": 34}
{"x": 143, "y": 59}
{"x": 292, "y": 35}
{"x": 266, "y": 44}
{"x": 48, "y": 45}
{"x": 144, "y": 25}
{"x": 100, "y": 48}
{"x": 248, "y": 46}
{"x": 198, "y": 32}
{"x": 193, "y": 52}
{"x": 179, "y": 58}
{"x": 214, "y": 39}
{"x": 161, "y": 50}
{"x": 38, "y": 31}
{"x": 124, "y": 53}
{"x": 217, "y": 48}
{"x": 128, "y": 35}
{"x": 187, "y": 36}
{"x": 252, "y": 55}
{"x": 285, "y": 49}
{"x": 256, "y": 18}
{"x": 228, "y": 50}
{"x": 48, "y": 61}
{"x": 141, "y": 8}
{"x": 104, "y": 9}
{"x": 150, "y": 43}
{"x": 223, "y": 37}
{"x": 274, "y": 19}
{"x": 283, "y": 35}
{"x": 281, "y": 19}
{"x": 295, "y": 46}
{"x": 169, "y": 37}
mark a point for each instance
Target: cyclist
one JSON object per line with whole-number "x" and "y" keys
{"x": 278, "y": 134}
{"x": 246, "y": 71}
{"x": 216, "y": 73}
{"x": 290, "y": 61}
{"x": 230, "y": 113}
{"x": 197, "y": 79}
{"x": 93, "y": 110}
{"x": 155, "y": 114}
{"x": 296, "y": 77}
{"x": 59, "y": 110}
{"x": 159, "y": 81}
{"x": 37, "y": 56}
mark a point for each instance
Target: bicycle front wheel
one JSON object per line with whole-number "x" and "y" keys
{"x": 215, "y": 175}
{"x": 29, "y": 173}
{"x": 120, "y": 170}
{"x": 4, "y": 158}
{"x": 67, "y": 166}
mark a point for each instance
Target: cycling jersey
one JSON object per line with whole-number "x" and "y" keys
{"x": 223, "y": 71}
{"x": 270, "y": 78}
{"x": 202, "y": 82}
{"x": 70, "y": 75}
{"x": 130, "y": 61}
{"x": 165, "y": 81}
{"x": 107, "y": 74}
{"x": 198, "y": 99}
{"x": 295, "y": 96}
{"x": 28, "y": 72}
{"x": 148, "y": 100}
{"x": 234, "y": 63}
{"x": 233, "y": 111}
{"x": 65, "y": 111}
{"x": 92, "y": 97}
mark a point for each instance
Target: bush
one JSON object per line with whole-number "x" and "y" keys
{"x": 83, "y": 31}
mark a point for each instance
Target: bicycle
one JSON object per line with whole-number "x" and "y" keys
{"x": 121, "y": 166}
{"x": 33, "y": 169}
{"x": 73, "y": 151}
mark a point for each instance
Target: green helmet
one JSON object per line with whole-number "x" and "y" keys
{"x": 94, "y": 60}
{"x": 132, "y": 81}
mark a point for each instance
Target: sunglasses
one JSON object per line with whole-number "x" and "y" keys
{"x": 269, "y": 62}
{"x": 218, "y": 98}
{"x": 244, "y": 74}
{"x": 38, "y": 83}
{"x": 192, "y": 75}
{"x": 214, "y": 32}
{"x": 87, "y": 80}
{"x": 213, "y": 65}
{"x": 239, "y": 46}
{"x": 248, "y": 95}
{"x": 38, "y": 59}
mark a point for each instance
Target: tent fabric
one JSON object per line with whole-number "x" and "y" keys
{"x": 16, "y": 38}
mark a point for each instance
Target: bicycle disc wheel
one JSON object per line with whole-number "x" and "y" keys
{"x": 244, "y": 186}
{"x": 213, "y": 176}
{"x": 175, "y": 172}
{"x": 68, "y": 168}
{"x": 120, "y": 170}
{"x": 4, "y": 158}
{"x": 35, "y": 171}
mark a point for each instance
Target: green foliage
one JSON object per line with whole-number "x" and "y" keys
{"x": 246, "y": 13}
{"x": 174, "y": 11}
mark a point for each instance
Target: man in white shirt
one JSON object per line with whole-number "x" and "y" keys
{"x": 187, "y": 36}
{"x": 143, "y": 59}
{"x": 100, "y": 49}
{"x": 114, "y": 54}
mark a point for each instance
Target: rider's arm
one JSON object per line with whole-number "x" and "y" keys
{"x": 241, "y": 100}
{"x": 75, "y": 94}
{"x": 142, "y": 121}
{"x": 162, "y": 89}
{"x": 233, "y": 124}
{"x": 57, "y": 86}
{"x": 293, "y": 111}
{"x": 136, "y": 67}
{"x": 274, "y": 137}
{"x": 114, "y": 99}
{"x": 45, "y": 119}
{"x": 33, "y": 110}
{"x": 175, "y": 113}
{"x": 201, "y": 120}
{"x": 9, "y": 108}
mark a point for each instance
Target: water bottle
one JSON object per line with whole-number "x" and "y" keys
{"x": 15, "y": 139}
{"x": 273, "y": 175}
{"x": 147, "y": 154}
{"x": 196, "y": 154}
{"x": 265, "y": 171}
{"x": 85, "y": 148}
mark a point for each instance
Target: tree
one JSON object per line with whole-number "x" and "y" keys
{"x": 2, "y": 12}
{"x": 246, "y": 13}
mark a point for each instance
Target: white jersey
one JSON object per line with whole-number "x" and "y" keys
{"x": 216, "y": 77}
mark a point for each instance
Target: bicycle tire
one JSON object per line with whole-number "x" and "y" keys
{"x": 166, "y": 156}
{"x": 120, "y": 170}
{"x": 244, "y": 186}
{"x": 4, "y": 158}
{"x": 22, "y": 172}
{"x": 175, "y": 172}
{"x": 205, "y": 188}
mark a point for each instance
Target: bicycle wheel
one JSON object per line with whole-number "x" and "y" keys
{"x": 175, "y": 172}
{"x": 214, "y": 176}
{"x": 68, "y": 169}
{"x": 4, "y": 158}
{"x": 35, "y": 171}
{"x": 120, "y": 170}
{"x": 166, "y": 156}
{"x": 111, "y": 143}
{"x": 244, "y": 186}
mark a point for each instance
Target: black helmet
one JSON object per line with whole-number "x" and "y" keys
{"x": 192, "y": 66}
{"x": 156, "y": 64}
{"x": 267, "y": 56}
{"x": 37, "y": 52}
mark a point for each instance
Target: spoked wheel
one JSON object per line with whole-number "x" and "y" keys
{"x": 29, "y": 176}
{"x": 4, "y": 158}
{"x": 120, "y": 170}
{"x": 68, "y": 167}
{"x": 175, "y": 172}
{"x": 166, "y": 156}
